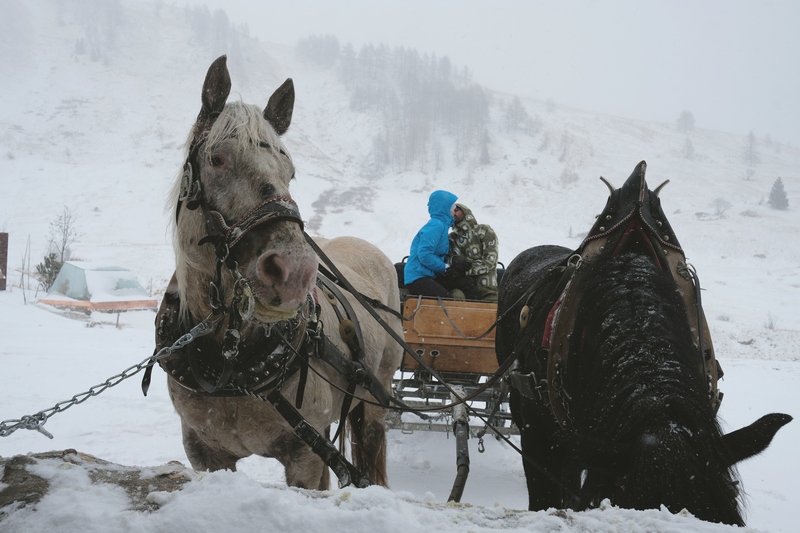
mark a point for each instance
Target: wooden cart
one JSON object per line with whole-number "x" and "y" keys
{"x": 456, "y": 339}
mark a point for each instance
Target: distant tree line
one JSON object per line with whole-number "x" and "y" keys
{"x": 103, "y": 20}
{"x": 100, "y": 20}
{"x": 517, "y": 118}
{"x": 419, "y": 97}
{"x": 323, "y": 50}
{"x": 214, "y": 31}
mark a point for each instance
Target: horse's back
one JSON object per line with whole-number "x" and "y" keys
{"x": 529, "y": 266}
{"x": 373, "y": 272}
{"x": 525, "y": 270}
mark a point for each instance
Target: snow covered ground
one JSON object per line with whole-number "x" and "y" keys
{"x": 48, "y": 356}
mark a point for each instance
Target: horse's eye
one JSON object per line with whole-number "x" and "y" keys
{"x": 216, "y": 161}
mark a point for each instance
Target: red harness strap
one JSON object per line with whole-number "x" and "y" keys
{"x": 551, "y": 319}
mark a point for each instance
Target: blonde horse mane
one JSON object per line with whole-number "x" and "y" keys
{"x": 240, "y": 121}
{"x": 246, "y": 124}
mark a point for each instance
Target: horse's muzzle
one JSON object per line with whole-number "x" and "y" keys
{"x": 283, "y": 280}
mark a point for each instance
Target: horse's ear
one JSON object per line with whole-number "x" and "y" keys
{"x": 279, "y": 109}
{"x": 754, "y": 439}
{"x": 216, "y": 89}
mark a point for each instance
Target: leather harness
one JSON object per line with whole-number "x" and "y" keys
{"x": 258, "y": 367}
{"x": 613, "y": 229}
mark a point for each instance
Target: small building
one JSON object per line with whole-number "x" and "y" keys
{"x": 91, "y": 286}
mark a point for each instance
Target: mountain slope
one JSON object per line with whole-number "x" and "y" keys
{"x": 103, "y": 99}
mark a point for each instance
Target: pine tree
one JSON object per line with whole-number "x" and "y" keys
{"x": 686, "y": 122}
{"x": 688, "y": 149}
{"x": 485, "y": 158}
{"x": 516, "y": 115}
{"x": 750, "y": 153}
{"x": 48, "y": 270}
{"x": 777, "y": 196}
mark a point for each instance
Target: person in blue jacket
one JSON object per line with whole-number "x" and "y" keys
{"x": 426, "y": 271}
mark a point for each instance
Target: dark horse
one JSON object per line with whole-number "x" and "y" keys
{"x": 615, "y": 387}
{"x": 244, "y": 261}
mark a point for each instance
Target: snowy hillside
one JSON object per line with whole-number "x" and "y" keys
{"x": 98, "y": 103}
{"x": 80, "y": 128}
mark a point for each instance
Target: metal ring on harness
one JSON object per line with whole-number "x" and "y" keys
{"x": 247, "y": 303}
{"x": 574, "y": 260}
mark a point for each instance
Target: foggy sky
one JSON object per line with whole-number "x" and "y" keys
{"x": 732, "y": 63}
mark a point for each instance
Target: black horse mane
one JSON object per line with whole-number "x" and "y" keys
{"x": 614, "y": 392}
{"x": 640, "y": 402}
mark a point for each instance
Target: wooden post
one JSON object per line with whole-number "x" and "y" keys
{"x": 3, "y": 260}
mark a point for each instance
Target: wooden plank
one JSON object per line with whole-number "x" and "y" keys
{"x": 453, "y": 359}
{"x": 433, "y": 324}
{"x": 127, "y": 305}
{"x": 108, "y": 307}
{"x": 446, "y": 348}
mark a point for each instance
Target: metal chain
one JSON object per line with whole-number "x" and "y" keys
{"x": 37, "y": 421}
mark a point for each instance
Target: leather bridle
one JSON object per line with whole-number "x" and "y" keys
{"x": 219, "y": 232}
{"x": 224, "y": 237}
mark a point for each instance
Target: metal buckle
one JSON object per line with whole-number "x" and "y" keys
{"x": 247, "y": 303}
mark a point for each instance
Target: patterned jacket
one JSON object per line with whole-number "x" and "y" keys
{"x": 479, "y": 244}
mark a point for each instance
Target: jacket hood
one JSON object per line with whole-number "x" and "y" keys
{"x": 468, "y": 222}
{"x": 440, "y": 204}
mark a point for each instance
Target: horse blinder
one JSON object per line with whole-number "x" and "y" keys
{"x": 190, "y": 188}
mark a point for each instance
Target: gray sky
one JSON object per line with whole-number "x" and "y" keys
{"x": 734, "y": 64}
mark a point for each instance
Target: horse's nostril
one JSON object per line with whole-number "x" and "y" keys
{"x": 273, "y": 266}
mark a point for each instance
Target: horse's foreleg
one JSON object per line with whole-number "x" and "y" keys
{"x": 368, "y": 436}
{"x": 303, "y": 468}
{"x": 205, "y": 457}
{"x": 543, "y": 459}
{"x": 368, "y": 422}
{"x": 543, "y": 491}
{"x": 307, "y": 471}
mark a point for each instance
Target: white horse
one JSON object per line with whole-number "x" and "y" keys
{"x": 238, "y": 231}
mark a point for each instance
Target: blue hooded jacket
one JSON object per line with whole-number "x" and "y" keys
{"x": 430, "y": 246}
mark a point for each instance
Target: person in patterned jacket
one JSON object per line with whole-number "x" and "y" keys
{"x": 478, "y": 244}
